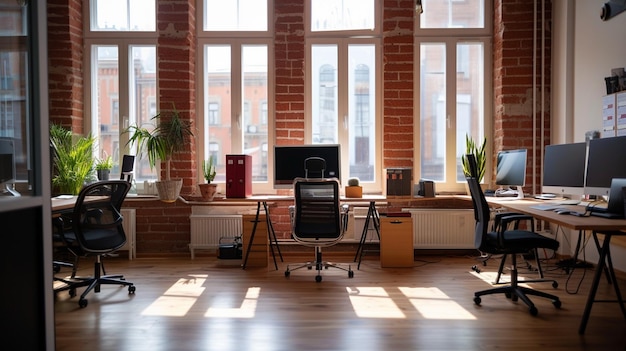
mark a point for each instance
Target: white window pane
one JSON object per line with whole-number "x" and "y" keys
{"x": 469, "y": 99}
{"x": 362, "y": 107}
{"x": 433, "y": 111}
{"x": 254, "y": 71}
{"x": 143, "y": 99}
{"x": 324, "y": 94}
{"x": 106, "y": 103}
{"x": 123, "y": 15}
{"x": 332, "y": 15}
{"x": 218, "y": 106}
{"x": 453, "y": 14}
{"x": 235, "y": 15}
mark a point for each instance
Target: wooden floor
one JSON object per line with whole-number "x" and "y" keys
{"x": 183, "y": 304}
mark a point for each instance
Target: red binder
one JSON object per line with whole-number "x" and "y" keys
{"x": 238, "y": 176}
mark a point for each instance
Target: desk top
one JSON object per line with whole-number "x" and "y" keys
{"x": 573, "y": 222}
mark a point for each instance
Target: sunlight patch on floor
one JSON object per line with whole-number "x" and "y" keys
{"x": 247, "y": 308}
{"x": 433, "y": 303}
{"x": 373, "y": 302}
{"x": 179, "y": 298}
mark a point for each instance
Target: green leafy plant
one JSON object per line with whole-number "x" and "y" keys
{"x": 479, "y": 152}
{"x": 208, "y": 169}
{"x": 161, "y": 140}
{"x": 73, "y": 160}
{"x": 104, "y": 163}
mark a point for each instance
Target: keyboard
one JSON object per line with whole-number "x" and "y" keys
{"x": 569, "y": 202}
{"x": 545, "y": 207}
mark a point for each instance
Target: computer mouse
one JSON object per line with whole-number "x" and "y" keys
{"x": 562, "y": 212}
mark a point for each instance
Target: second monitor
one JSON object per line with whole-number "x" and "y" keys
{"x": 511, "y": 172}
{"x": 564, "y": 169}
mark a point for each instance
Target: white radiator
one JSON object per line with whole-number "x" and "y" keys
{"x": 443, "y": 228}
{"x": 130, "y": 230}
{"x": 207, "y": 229}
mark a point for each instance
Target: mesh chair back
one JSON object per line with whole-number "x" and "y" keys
{"x": 317, "y": 214}
{"x": 97, "y": 218}
{"x": 481, "y": 207}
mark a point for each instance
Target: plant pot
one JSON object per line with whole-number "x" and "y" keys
{"x": 103, "y": 174}
{"x": 207, "y": 190}
{"x": 355, "y": 191}
{"x": 169, "y": 189}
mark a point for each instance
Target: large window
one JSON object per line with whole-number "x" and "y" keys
{"x": 453, "y": 85}
{"x": 235, "y": 43}
{"x": 121, "y": 87}
{"x": 343, "y": 84}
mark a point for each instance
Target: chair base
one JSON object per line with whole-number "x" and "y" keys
{"x": 319, "y": 264}
{"x": 92, "y": 283}
{"x": 514, "y": 291}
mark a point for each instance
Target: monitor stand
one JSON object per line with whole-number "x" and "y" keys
{"x": 9, "y": 191}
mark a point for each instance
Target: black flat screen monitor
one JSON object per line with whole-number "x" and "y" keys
{"x": 606, "y": 160}
{"x": 7, "y": 166}
{"x": 289, "y": 162}
{"x": 564, "y": 169}
{"x": 511, "y": 168}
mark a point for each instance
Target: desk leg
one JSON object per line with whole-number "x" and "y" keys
{"x": 272, "y": 235}
{"x": 596, "y": 278}
{"x": 245, "y": 260}
{"x": 372, "y": 215}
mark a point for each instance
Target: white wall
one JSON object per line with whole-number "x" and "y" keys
{"x": 585, "y": 49}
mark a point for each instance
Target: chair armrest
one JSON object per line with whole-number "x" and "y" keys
{"x": 503, "y": 220}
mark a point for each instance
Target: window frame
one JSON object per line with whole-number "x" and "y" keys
{"x": 451, "y": 37}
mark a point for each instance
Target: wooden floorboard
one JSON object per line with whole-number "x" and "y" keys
{"x": 183, "y": 304}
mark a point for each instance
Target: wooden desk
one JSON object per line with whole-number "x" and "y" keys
{"x": 598, "y": 226}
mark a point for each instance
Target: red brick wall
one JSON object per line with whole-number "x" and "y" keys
{"x": 65, "y": 63}
{"x": 514, "y": 29}
{"x": 398, "y": 58}
{"x": 164, "y": 228}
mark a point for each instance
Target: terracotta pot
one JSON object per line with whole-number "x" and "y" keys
{"x": 207, "y": 190}
{"x": 354, "y": 191}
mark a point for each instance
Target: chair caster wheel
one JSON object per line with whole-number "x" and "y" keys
{"x": 555, "y": 284}
{"x": 287, "y": 273}
{"x": 350, "y": 274}
{"x": 475, "y": 269}
{"x": 82, "y": 303}
{"x": 72, "y": 292}
{"x": 533, "y": 311}
{"x": 557, "y": 303}
{"x": 508, "y": 295}
{"x": 477, "y": 300}
{"x": 131, "y": 289}
{"x": 318, "y": 278}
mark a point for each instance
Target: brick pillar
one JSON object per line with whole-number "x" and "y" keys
{"x": 65, "y": 63}
{"x": 398, "y": 57}
{"x": 514, "y": 68}
{"x": 289, "y": 72}
{"x": 176, "y": 57}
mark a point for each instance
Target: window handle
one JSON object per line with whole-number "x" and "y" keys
{"x": 345, "y": 122}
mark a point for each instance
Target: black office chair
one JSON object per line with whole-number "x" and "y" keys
{"x": 97, "y": 230}
{"x": 318, "y": 220}
{"x": 505, "y": 241}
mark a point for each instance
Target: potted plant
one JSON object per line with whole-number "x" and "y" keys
{"x": 208, "y": 189}
{"x": 166, "y": 137}
{"x": 104, "y": 166}
{"x": 73, "y": 160}
{"x": 353, "y": 189}
{"x": 479, "y": 152}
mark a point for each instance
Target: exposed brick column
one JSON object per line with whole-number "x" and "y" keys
{"x": 176, "y": 57}
{"x": 65, "y": 63}
{"x": 398, "y": 57}
{"x": 513, "y": 69}
{"x": 289, "y": 72}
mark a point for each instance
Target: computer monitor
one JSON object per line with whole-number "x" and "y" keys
{"x": 7, "y": 167}
{"x": 606, "y": 160}
{"x": 289, "y": 162}
{"x": 511, "y": 171}
{"x": 564, "y": 169}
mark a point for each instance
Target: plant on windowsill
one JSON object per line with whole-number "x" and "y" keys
{"x": 353, "y": 189}
{"x": 72, "y": 160}
{"x": 479, "y": 152}
{"x": 161, "y": 142}
{"x": 104, "y": 166}
{"x": 208, "y": 189}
